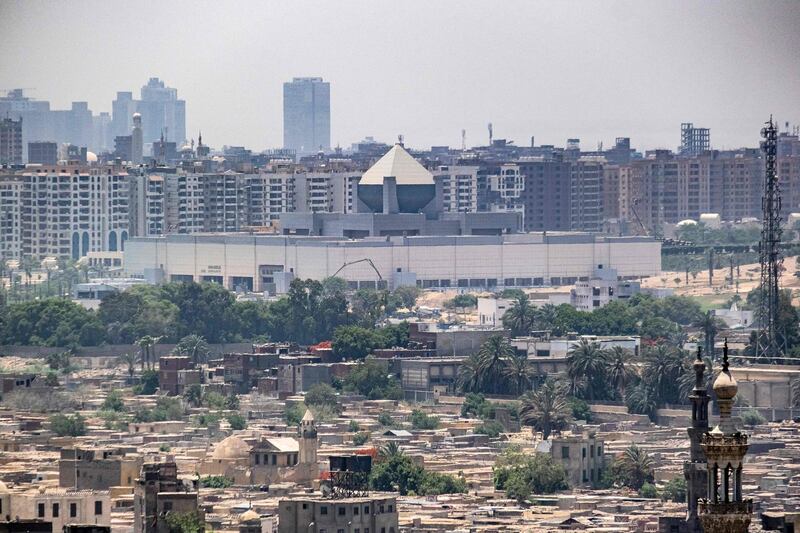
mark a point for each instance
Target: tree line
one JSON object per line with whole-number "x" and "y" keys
{"x": 311, "y": 312}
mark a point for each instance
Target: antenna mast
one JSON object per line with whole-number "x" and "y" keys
{"x": 770, "y": 343}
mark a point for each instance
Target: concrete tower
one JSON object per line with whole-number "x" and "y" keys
{"x": 137, "y": 140}
{"x": 724, "y": 510}
{"x": 307, "y": 439}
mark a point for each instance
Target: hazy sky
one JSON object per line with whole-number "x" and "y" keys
{"x": 426, "y": 69}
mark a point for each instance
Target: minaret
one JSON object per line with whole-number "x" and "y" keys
{"x": 694, "y": 470}
{"x": 307, "y": 437}
{"x": 724, "y": 510}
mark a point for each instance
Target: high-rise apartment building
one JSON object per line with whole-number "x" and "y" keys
{"x": 587, "y": 179}
{"x": 10, "y": 217}
{"x": 63, "y": 211}
{"x": 307, "y": 115}
{"x": 459, "y": 184}
{"x": 10, "y": 141}
{"x": 694, "y": 140}
{"x": 546, "y": 197}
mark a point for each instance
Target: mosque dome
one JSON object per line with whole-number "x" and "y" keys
{"x": 249, "y": 515}
{"x": 231, "y": 448}
{"x": 91, "y": 157}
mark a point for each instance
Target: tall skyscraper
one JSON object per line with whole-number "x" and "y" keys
{"x": 161, "y": 111}
{"x": 307, "y": 115}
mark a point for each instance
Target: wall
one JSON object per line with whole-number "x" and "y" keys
{"x": 85, "y": 354}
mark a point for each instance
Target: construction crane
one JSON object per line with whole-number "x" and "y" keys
{"x": 364, "y": 260}
{"x": 636, "y": 216}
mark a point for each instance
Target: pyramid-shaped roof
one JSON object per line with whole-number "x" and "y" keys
{"x": 400, "y": 164}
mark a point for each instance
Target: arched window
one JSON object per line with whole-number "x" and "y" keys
{"x": 123, "y": 239}
{"x": 85, "y": 244}
{"x": 112, "y": 241}
{"x": 76, "y": 246}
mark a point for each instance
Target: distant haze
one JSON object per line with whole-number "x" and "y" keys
{"x": 426, "y": 69}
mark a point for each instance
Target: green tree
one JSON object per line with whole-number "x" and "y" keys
{"x": 129, "y": 360}
{"x": 521, "y": 317}
{"x": 421, "y": 420}
{"x": 353, "y": 342}
{"x": 490, "y": 428}
{"x": 188, "y": 522}
{"x": 648, "y": 490}
{"x": 405, "y": 296}
{"x": 371, "y": 378}
{"x": 752, "y": 417}
{"x": 113, "y": 402}
{"x": 61, "y": 361}
{"x": 520, "y": 372}
{"x": 470, "y": 378}
{"x": 461, "y": 301}
{"x": 237, "y": 422}
{"x": 642, "y": 400}
{"x": 148, "y": 383}
{"x": 476, "y": 405}
{"x": 521, "y": 474}
{"x": 545, "y": 409}
{"x": 493, "y": 357}
{"x": 385, "y": 419}
{"x": 216, "y": 482}
{"x": 587, "y": 360}
{"x": 674, "y": 490}
{"x": 359, "y": 439}
{"x": 193, "y": 346}
{"x": 620, "y": 371}
{"x": 293, "y": 413}
{"x": 66, "y": 425}
{"x": 322, "y": 394}
{"x": 634, "y": 467}
{"x": 194, "y": 395}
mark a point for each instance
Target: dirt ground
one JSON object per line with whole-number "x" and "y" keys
{"x": 721, "y": 289}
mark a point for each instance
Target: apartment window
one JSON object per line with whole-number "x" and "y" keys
{"x": 274, "y": 459}
{"x": 380, "y": 509}
{"x": 73, "y": 510}
{"x": 305, "y": 506}
{"x": 355, "y": 510}
{"x": 341, "y": 510}
{"x": 55, "y": 510}
{"x": 366, "y": 511}
{"x": 98, "y": 507}
{"x": 583, "y": 453}
{"x": 167, "y": 506}
{"x": 323, "y": 509}
{"x": 340, "y": 531}
{"x": 258, "y": 459}
{"x": 565, "y": 452}
{"x": 585, "y": 479}
{"x": 591, "y": 450}
{"x": 391, "y": 508}
{"x": 40, "y": 510}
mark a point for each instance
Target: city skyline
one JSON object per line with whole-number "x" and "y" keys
{"x": 724, "y": 69}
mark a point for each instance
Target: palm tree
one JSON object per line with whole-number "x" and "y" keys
{"x": 194, "y": 346}
{"x": 129, "y": 359}
{"x": 520, "y": 371}
{"x": 794, "y": 387}
{"x": 588, "y": 360}
{"x": 389, "y": 450}
{"x": 641, "y": 400}
{"x": 546, "y": 317}
{"x": 620, "y": 370}
{"x": 545, "y": 409}
{"x": 520, "y": 317}
{"x": 636, "y": 467}
{"x": 469, "y": 374}
{"x": 147, "y": 345}
{"x": 663, "y": 368}
{"x": 492, "y": 358}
